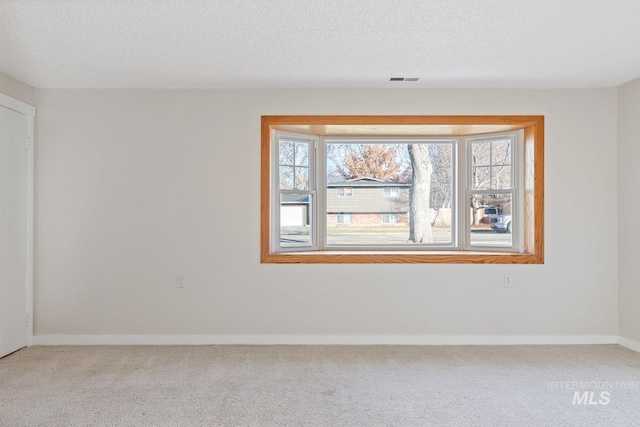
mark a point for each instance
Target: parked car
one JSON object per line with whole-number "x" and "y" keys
{"x": 501, "y": 223}
{"x": 491, "y": 212}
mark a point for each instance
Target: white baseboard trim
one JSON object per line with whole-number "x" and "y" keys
{"x": 630, "y": 344}
{"x": 323, "y": 339}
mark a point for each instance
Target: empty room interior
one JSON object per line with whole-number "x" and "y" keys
{"x": 319, "y": 213}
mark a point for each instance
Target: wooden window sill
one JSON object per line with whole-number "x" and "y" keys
{"x": 399, "y": 257}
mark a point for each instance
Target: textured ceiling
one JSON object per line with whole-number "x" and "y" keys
{"x": 320, "y": 43}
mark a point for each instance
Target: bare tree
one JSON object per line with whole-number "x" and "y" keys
{"x": 491, "y": 169}
{"x": 378, "y": 161}
{"x": 441, "y": 180}
{"x": 419, "y": 223}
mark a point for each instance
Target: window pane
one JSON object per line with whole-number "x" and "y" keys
{"x": 344, "y": 191}
{"x": 481, "y": 178}
{"x": 382, "y": 177}
{"x": 286, "y": 178}
{"x": 501, "y": 177}
{"x": 390, "y": 219}
{"x": 344, "y": 218}
{"x": 302, "y": 178}
{"x": 286, "y": 153}
{"x": 481, "y": 153}
{"x": 302, "y": 154}
{"x": 501, "y": 152}
{"x": 295, "y": 219}
{"x": 391, "y": 192}
{"x": 490, "y": 220}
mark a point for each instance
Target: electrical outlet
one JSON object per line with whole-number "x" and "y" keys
{"x": 180, "y": 282}
{"x": 507, "y": 281}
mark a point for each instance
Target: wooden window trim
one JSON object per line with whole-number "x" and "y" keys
{"x": 533, "y": 127}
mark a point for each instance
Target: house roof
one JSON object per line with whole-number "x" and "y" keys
{"x": 367, "y": 182}
{"x": 294, "y": 198}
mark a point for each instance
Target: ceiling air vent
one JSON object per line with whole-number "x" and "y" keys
{"x": 404, "y": 79}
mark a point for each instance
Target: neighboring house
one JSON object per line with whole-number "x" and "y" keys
{"x": 367, "y": 201}
{"x": 294, "y": 210}
{"x": 362, "y": 201}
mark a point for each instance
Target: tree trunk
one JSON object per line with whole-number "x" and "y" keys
{"x": 476, "y": 206}
{"x": 419, "y": 224}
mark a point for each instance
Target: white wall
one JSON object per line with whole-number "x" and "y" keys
{"x": 17, "y": 89}
{"x": 135, "y": 186}
{"x": 629, "y": 209}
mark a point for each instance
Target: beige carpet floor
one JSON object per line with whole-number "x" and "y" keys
{"x": 319, "y": 386}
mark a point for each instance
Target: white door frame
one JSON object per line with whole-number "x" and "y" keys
{"x": 30, "y": 112}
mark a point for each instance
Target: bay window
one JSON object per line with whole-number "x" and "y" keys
{"x": 402, "y": 189}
